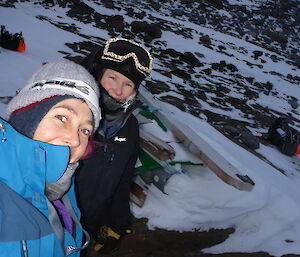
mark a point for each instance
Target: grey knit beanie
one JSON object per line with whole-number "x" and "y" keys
{"x": 63, "y": 78}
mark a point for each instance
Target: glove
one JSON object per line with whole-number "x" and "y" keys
{"x": 108, "y": 240}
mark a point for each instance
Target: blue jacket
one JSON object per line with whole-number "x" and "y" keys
{"x": 29, "y": 224}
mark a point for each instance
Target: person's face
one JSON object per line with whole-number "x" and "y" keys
{"x": 117, "y": 85}
{"x": 70, "y": 123}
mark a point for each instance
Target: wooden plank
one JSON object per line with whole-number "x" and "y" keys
{"x": 224, "y": 169}
{"x": 156, "y": 147}
{"x": 137, "y": 194}
{"x": 237, "y": 183}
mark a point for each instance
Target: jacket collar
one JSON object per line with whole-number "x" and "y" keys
{"x": 29, "y": 161}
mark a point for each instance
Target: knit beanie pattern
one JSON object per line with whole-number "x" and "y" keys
{"x": 63, "y": 78}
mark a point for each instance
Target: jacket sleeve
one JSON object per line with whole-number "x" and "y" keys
{"x": 119, "y": 215}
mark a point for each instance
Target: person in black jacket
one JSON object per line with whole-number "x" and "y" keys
{"x": 104, "y": 178}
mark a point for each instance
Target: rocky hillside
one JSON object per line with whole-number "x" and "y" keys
{"x": 229, "y": 59}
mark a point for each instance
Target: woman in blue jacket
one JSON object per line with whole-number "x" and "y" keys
{"x": 50, "y": 121}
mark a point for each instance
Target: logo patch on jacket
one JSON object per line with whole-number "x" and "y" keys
{"x": 120, "y": 139}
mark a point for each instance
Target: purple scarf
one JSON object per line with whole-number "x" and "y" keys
{"x": 66, "y": 217}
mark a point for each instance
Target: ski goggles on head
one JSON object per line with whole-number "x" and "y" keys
{"x": 120, "y": 49}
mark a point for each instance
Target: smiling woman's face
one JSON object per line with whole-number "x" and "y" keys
{"x": 117, "y": 85}
{"x": 69, "y": 123}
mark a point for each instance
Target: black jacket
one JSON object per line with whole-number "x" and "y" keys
{"x": 103, "y": 181}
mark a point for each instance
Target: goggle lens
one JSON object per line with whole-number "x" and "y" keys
{"x": 123, "y": 48}
{"x": 120, "y": 49}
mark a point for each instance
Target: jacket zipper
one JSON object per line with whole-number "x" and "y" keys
{"x": 24, "y": 248}
{"x": 3, "y": 130}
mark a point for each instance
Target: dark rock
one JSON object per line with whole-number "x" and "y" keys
{"x": 108, "y": 4}
{"x": 130, "y": 12}
{"x": 172, "y": 52}
{"x": 276, "y": 36}
{"x": 187, "y": 3}
{"x": 177, "y": 12}
{"x": 157, "y": 87}
{"x": 257, "y": 54}
{"x": 274, "y": 58}
{"x": 155, "y": 5}
{"x": 258, "y": 22}
{"x": 178, "y": 102}
{"x": 215, "y": 66}
{"x": 243, "y": 135}
{"x": 248, "y": 25}
{"x": 242, "y": 17}
{"x": 275, "y": 73}
{"x": 216, "y": 22}
{"x": 140, "y": 15}
{"x": 181, "y": 74}
{"x": 224, "y": 89}
{"x": 240, "y": 31}
{"x": 153, "y": 30}
{"x": 249, "y": 140}
{"x": 200, "y": 55}
{"x": 147, "y": 38}
{"x": 268, "y": 85}
{"x": 250, "y": 94}
{"x": 294, "y": 103}
{"x": 293, "y": 78}
{"x": 116, "y": 22}
{"x": 232, "y": 67}
{"x": 9, "y": 4}
{"x": 207, "y": 71}
{"x": 196, "y": 17}
{"x": 194, "y": 13}
{"x": 201, "y": 95}
{"x": 81, "y": 11}
{"x": 223, "y": 63}
{"x": 297, "y": 16}
{"x": 221, "y": 47}
{"x": 218, "y": 3}
{"x": 233, "y": 131}
{"x": 218, "y": 66}
{"x": 249, "y": 79}
{"x": 190, "y": 58}
{"x": 138, "y": 26}
{"x": 202, "y": 19}
{"x": 205, "y": 40}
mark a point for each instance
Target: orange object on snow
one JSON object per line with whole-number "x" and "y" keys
{"x": 21, "y": 46}
{"x": 298, "y": 150}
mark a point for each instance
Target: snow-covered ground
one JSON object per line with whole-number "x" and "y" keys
{"x": 265, "y": 219}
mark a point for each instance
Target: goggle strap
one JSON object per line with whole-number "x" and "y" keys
{"x": 141, "y": 69}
